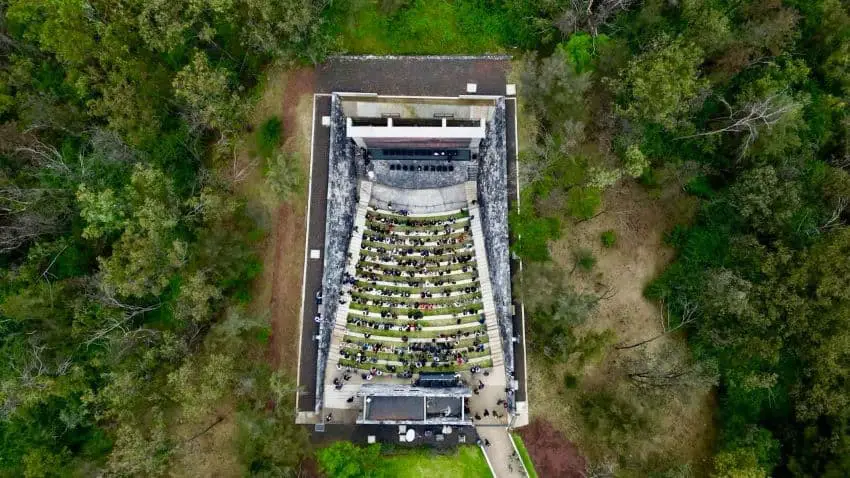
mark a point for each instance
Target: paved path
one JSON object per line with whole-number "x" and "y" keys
{"x": 314, "y": 267}
{"x": 501, "y": 452}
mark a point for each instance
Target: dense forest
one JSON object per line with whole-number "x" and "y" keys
{"x": 127, "y": 253}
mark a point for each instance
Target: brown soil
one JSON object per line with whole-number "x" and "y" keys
{"x": 285, "y": 246}
{"x": 551, "y": 452}
{"x": 639, "y": 219}
{"x": 285, "y": 303}
{"x": 207, "y": 453}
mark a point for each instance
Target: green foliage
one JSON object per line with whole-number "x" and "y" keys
{"x": 268, "y": 136}
{"x": 532, "y": 235}
{"x": 608, "y": 238}
{"x": 581, "y": 49}
{"x": 419, "y": 27}
{"x": 659, "y": 84}
{"x": 343, "y": 459}
{"x": 582, "y": 202}
{"x": 585, "y": 260}
{"x": 123, "y": 241}
{"x": 614, "y": 418}
{"x": 284, "y": 176}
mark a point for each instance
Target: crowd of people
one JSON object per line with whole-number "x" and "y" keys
{"x": 431, "y": 261}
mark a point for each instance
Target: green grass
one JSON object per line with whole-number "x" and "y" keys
{"x": 405, "y": 280}
{"x": 420, "y": 27}
{"x": 417, "y": 334}
{"x": 467, "y": 462}
{"x": 463, "y": 343}
{"x": 523, "y": 454}
{"x": 410, "y": 301}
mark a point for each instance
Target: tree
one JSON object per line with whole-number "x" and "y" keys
{"x": 660, "y": 85}
{"x": 752, "y": 117}
{"x": 206, "y": 93}
{"x": 201, "y": 382}
{"x": 141, "y": 450}
{"x": 148, "y": 252}
{"x": 766, "y": 201}
{"x": 283, "y": 175}
{"x": 554, "y": 88}
{"x": 102, "y": 211}
{"x": 667, "y": 370}
{"x": 739, "y": 463}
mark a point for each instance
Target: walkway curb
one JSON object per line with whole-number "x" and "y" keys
{"x": 516, "y": 450}
{"x": 492, "y": 470}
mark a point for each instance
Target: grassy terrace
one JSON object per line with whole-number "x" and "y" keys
{"x": 383, "y": 367}
{"x": 410, "y": 301}
{"x": 446, "y": 268}
{"x": 391, "y": 357}
{"x": 374, "y": 236}
{"x": 407, "y": 279}
{"x": 377, "y": 262}
{"x": 425, "y": 312}
{"x": 392, "y": 228}
{"x": 427, "y": 261}
{"x": 416, "y": 289}
{"x": 418, "y": 334}
{"x": 463, "y": 343}
{"x": 425, "y": 323}
{"x": 373, "y": 214}
{"x": 458, "y": 246}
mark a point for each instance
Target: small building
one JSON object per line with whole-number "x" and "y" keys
{"x": 389, "y": 404}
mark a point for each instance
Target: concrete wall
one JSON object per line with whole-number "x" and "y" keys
{"x": 493, "y": 199}
{"x": 342, "y": 204}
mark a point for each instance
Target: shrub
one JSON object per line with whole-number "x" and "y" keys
{"x": 609, "y": 238}
{"x": 585, "y": 259}
{"x": 583, "y": 201}
{"x": 268, "y": 136}
{"x": 283, "y": 175}
{"x": 532, "y": 235}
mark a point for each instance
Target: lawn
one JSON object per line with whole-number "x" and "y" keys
{"x": 523, "y": 454}
{"x": 423, "y": 27}
{"x": 467, "y": 462}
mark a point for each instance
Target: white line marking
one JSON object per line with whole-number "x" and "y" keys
{"x": 516, "y": 161}
{"x": 306, "y": 246}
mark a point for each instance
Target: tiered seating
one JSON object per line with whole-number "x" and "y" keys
{"x": 415, "y": 299}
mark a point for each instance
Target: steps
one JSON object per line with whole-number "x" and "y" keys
{"x": 491, "y": 319}
{"x": 472, "y": 173}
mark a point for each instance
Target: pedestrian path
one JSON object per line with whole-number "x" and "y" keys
{"x": 504, "y": 461}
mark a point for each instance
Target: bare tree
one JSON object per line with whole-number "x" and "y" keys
{"x": 667, "y": 368}
{"x": 834, "y": 219}
{"x": 589, "y": 15}
{"x": 26, "y": 215}
{"x": 688, "y": 317}
{"x": 601, "y": 469}
{"x": 121, "y": 322}
{"x": 752, "y": 117}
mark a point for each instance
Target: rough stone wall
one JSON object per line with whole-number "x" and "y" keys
{"x": 342, "y": 205}
{"x": 493, "y": 204}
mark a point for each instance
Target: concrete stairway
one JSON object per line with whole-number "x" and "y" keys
{"x": 339, "y": 329}
{"x": 491, "y": 320}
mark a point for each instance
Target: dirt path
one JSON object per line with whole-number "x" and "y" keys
{"x": 285, "y": 251}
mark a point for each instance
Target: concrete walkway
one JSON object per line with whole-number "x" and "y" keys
{"x": 503, "y": 459}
